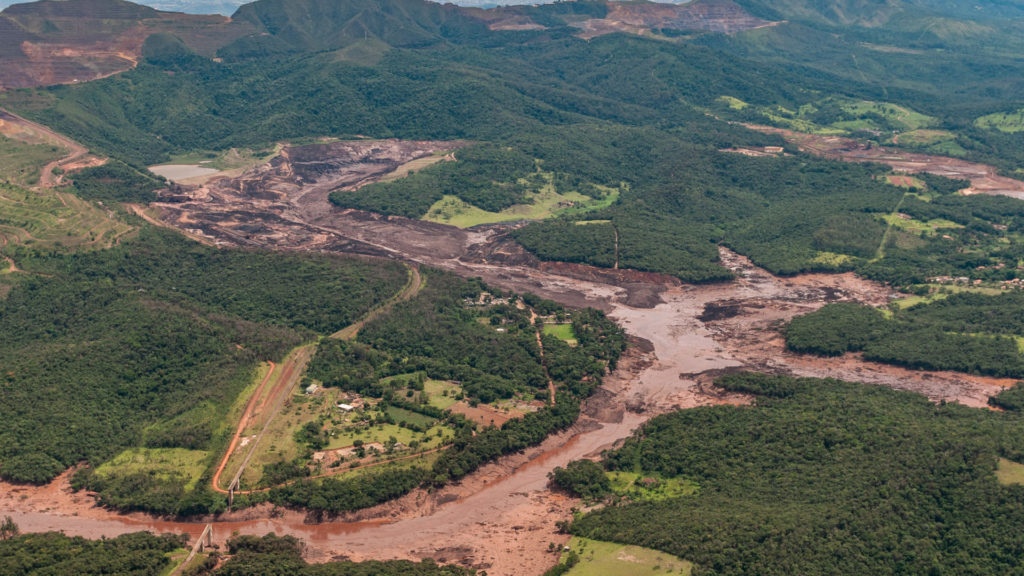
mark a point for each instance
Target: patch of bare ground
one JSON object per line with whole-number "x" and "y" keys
{"x": 77, "y": 156}
{"x": 65, "y": 43}
{"x": 502, "y": 517}
{"x": 702, "y": 15}
{"x": 984, "y": 179}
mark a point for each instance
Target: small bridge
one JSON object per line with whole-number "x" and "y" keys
{"x": 204, "y": 541}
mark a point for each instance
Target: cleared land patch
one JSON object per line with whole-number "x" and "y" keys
{"x": 442, "y": 393}
{"x": 930, "y": 227}
{"x": 562, "y": 332}
{"x": 904, "y": 181}
{"x": 640, "y": 487}
{"x": 1009, "y": 472}
{"x": 836, "y": 115}
{"x": 1002, "y": 121}
{"x": 51, "y": 218}
{"x": 20, "y": 162}
{"x": 545, "y": 202}
{"x": 597, "y": 558}
{"x": 164, "y": 463}
{"x": 417, "y": 165}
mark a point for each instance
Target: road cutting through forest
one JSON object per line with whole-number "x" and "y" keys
{"x": 291, "y": 371}
{"x": 502, "y": 518}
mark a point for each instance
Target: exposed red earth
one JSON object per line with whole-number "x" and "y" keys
{"x": 502, "y": 518}
{"x": 984, "y": 179}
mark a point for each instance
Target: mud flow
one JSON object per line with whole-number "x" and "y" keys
{"x": 501, "y": 518}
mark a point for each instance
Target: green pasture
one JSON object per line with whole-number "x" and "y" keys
{"x": 649, "y": 487}
{"x": 1009, "y": 472}
{"x": 1002, "y": 121}
{"x": 545, "y": 202}
{"x": 597, "y": 558}
{"x": 562, "y": 332}
{"x": 162, "y": 462}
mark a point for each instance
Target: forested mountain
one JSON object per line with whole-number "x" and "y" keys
{"x": 615, "y": 110}
{"x": 640, "y": 120}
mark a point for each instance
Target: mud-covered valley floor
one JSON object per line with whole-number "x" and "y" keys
{"x": 502, "y": 518}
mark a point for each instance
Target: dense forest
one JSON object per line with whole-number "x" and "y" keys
{"x": 967, "y": 332}
{"x": 824, "y": 477}
{"x": 143, "y": 554}
{"x": 149, "y": 343}
{"x": 50, "y": 553}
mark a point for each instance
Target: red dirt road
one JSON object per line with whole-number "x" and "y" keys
{"x": 76, "y": 153}
{"x": 242, "y": 423}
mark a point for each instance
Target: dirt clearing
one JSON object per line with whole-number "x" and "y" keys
{"x": 984, "y": 179}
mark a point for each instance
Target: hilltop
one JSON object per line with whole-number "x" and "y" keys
{"x": 72, "y": 41}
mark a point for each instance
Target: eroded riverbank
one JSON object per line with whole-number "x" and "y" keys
{"x": 502, "y": 518}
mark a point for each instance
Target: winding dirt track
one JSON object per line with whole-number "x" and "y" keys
{"x": 75, "y": 151}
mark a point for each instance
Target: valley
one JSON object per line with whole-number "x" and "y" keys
{"x": 502, "y": 517}
{"x": 716, "y": 288}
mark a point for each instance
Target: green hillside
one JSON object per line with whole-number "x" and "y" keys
{"x": 824, "y": 477}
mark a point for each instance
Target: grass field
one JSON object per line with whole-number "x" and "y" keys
{"x": 633, "y": 486}
{"x": 441, "y": 393}
{"x": 161, "y": 462}
{"x": 598, "y": 558}
{"x": 20, "y": 162}
{"x": 734, "y": 103}
{"x": 832, "y": 259}
{"x": 929, "y": 227}
{"x": 859, "y": 115}
{"x": 53, "y": 219}
{"x": 941, "y": 291}
{"x": 1008, "y": 472}
{"x": 562, "y": 332}
{"x": 345, "y": 436}
{"x": 925, "y": 137}
{"x": 415, "y": 418}
{"x": 910, "y": 119}
{"x": 544, "y": 203}
{"x": 1002, "y": 121}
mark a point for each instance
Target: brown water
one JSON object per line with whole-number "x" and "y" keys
{"x": 502, "y": 518}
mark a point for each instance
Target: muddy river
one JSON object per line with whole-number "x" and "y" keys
{"x": 502, "y": 518}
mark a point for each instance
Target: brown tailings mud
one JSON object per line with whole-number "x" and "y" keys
{"x": 984, "y": 179}
{"x": 503, "y": 517}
